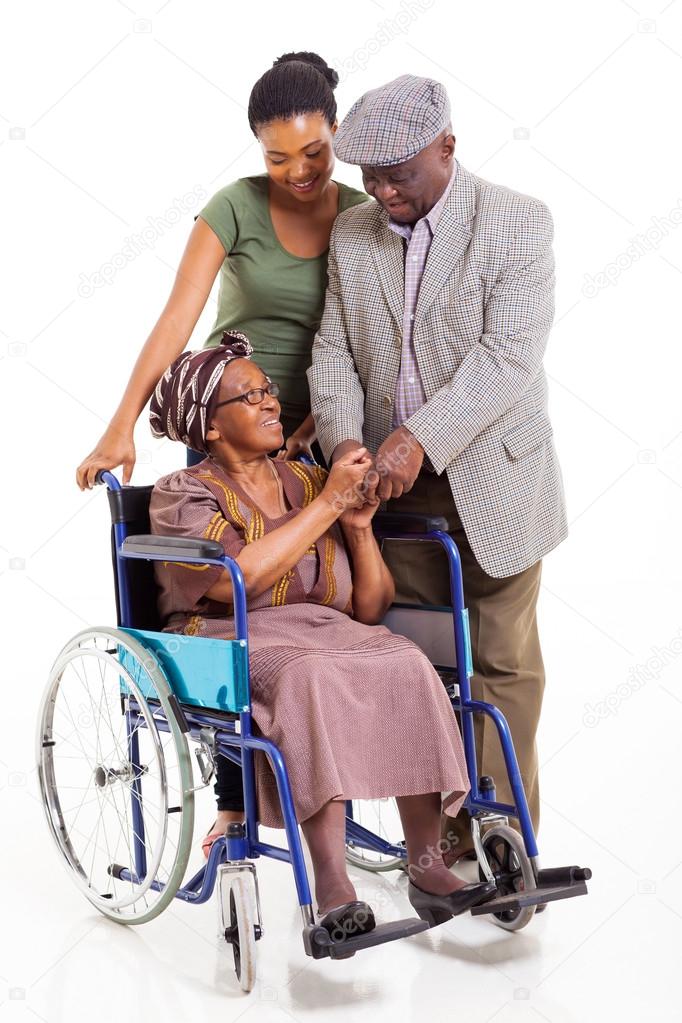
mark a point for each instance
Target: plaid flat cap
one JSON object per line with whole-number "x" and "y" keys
{"x": 393, "y": 123}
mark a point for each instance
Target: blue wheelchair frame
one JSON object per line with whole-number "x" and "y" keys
{"x": 235, "y": 740}
{"x": 467, "y": 707}
{"x": 236, "y": 743}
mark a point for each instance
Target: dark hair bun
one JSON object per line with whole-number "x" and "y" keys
{"x": 297, "y": 83}
{"x": 314, "y": 59}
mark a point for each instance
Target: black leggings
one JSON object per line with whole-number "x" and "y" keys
{"x": 228, "y": 787}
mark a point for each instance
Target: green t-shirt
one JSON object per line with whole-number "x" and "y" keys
{"x": 276, "y": 299}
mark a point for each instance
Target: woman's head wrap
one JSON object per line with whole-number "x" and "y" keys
{"x": 183, "y": 400}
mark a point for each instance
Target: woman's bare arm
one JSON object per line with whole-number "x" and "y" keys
{"x": 199, "y": 266}
{"x": 265, "y": 561}
{"x": 373, "y": 586}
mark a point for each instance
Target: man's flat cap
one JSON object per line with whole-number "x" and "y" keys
{"x": 393, "y": 123}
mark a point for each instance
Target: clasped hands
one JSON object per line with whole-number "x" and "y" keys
{"x": 389, "y": 474}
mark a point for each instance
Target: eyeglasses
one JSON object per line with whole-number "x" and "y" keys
{"x": 253, "y": 397}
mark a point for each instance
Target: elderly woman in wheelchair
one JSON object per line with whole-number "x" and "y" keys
{"x": 356, "y": 711}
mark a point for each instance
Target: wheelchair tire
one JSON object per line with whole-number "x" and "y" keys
{"x": 506, "y": 854}
{"x": 381, "y": 817}
{"x": 241, "y": 930}
{"x": 114, "y": 766}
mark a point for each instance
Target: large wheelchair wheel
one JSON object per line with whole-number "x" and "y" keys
{"x": 381, "y": 817}
{"x": 116, "y": 775}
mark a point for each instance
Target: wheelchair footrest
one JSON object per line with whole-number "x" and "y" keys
{"x": 319, "y": 944}
{"x": 563, "y": 875}
{"x": 531, "y": 897}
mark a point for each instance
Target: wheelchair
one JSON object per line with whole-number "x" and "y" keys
{"x": 123, "y": 704}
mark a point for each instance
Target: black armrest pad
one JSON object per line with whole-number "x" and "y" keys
{"x": 402, "y": 522}
{"x": 173, "y": 546}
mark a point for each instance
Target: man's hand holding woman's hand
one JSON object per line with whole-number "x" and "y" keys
{"x": 344, "y": 486}
{"x": 395, "y": 468}
{"x": 347, "y": 490}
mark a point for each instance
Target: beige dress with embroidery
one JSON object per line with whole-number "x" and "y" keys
{"x": 357, "y": 712}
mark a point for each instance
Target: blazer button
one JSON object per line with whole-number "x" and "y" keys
{"x": 388, "y": 400}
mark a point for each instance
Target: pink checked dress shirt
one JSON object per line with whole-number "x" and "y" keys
{"x": 409, "y": 391}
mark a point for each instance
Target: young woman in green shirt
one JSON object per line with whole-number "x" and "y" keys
{"x": 268, "y": 238}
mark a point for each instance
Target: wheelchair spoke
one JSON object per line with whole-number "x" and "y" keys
{"x": 113, "y": 763}
{"x": 381, "y": 817}
{"x": 76, "y": 730}
{"x": 113, "y": 858}
{"x": 97, "y": 716}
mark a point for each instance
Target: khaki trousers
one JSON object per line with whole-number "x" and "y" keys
{"x": 507, "y": 660}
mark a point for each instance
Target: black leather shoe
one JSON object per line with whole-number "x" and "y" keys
{"x": 349, "y": 920}
{"x": 436, "y": 909}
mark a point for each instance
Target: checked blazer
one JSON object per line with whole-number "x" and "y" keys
{"x": 482, "y": 319}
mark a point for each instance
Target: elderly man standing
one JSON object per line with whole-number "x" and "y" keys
{"x": 439, "y": 303}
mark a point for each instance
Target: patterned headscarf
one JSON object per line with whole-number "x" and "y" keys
{"x": 183, "y": 400}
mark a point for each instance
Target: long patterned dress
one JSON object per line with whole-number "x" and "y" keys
{"x": 357, "y": 712}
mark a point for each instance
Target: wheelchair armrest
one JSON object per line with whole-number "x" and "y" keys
{"x": 403, "y": 522}
{"x": 172, "y": 547}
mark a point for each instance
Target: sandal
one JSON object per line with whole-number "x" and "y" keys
{"x": 210, "y": 839}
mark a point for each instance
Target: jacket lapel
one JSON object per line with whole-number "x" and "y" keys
{"x": 450, "y": 241}
{"x": 387, "y": 252}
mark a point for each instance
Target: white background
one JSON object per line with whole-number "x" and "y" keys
{"x": 109, "y": 114}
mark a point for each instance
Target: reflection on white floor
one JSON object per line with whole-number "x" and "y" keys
{"x": 580, "y": 960}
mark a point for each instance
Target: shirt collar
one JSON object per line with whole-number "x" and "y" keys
{"x": 434, "y": 214}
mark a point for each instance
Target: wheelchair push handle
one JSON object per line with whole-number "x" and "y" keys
{"x": 105, "y": 476}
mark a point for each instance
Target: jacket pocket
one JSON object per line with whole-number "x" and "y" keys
{"x": 528, "y": 436}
